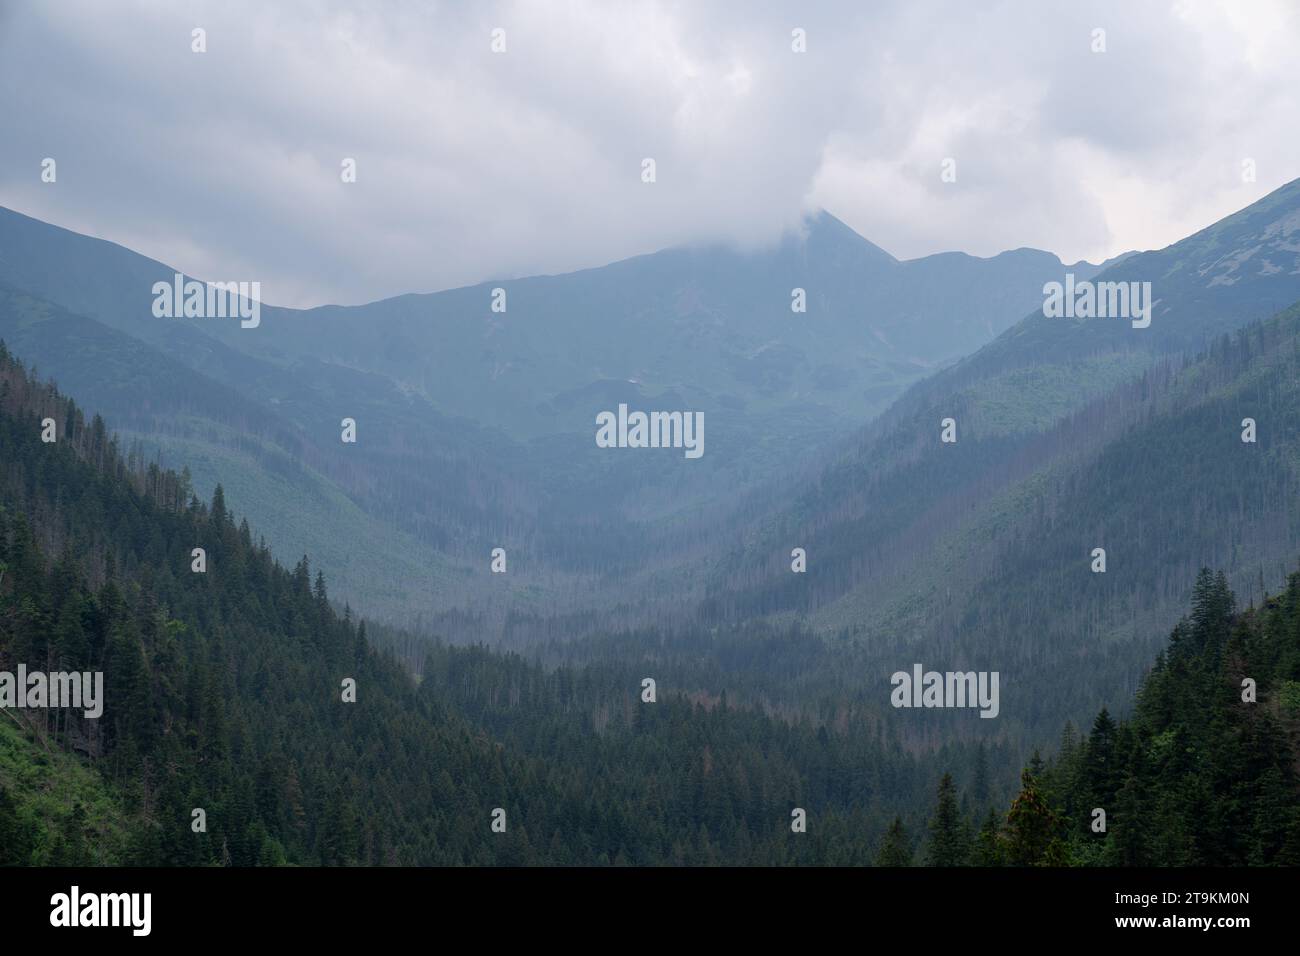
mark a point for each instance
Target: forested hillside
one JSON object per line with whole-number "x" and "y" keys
{"x": 307, "y": 489}
{"x": 224, "y": 693}
{"x": 1204, "y": 773}
{"x": 881, "y": 512}
{"x": 982, "y": 551}
{"x": 222, "y": 688}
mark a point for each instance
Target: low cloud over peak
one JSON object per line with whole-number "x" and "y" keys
{"x": 925, "y": 127}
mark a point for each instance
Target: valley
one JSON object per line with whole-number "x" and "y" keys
{"x": 502, "y": 579}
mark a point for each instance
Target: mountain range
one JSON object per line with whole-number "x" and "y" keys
{"x": 476, "y": 427}
{"x": 823, "y": 433}
{"x": 972, "y": 483}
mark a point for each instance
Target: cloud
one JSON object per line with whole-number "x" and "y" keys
{"x": 473, "y": 164}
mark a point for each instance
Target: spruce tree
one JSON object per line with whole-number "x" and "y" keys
{"x": 897, "y": 848}
{"x": 1100, "y": 763}
{"x": 950, "y": 840}
{"x": 988, "y": 849}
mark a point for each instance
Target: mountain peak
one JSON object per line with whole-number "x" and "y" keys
{"x": 822, "y": 234}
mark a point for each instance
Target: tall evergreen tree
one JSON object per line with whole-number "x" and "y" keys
{"x": 897, "y": 847}
{"x": 988, "y": 850}
{"x": 950, "y": 839}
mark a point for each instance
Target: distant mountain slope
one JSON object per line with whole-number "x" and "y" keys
{"x": 1243, "y": 268}
{"x": 294, "y": 488}
{"x": 1070, "y": 436}
{"x": 1001, "y": 576}
{"x": 897, "y": 480}
{"x": 710, "y": 322}
{"x": 476, "y": 429}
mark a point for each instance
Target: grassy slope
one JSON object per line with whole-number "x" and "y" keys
{"x": 379, "y": 570}
{"x": 48, "y": 787}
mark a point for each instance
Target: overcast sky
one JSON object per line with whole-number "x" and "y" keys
{"x": 473, "y": 164}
